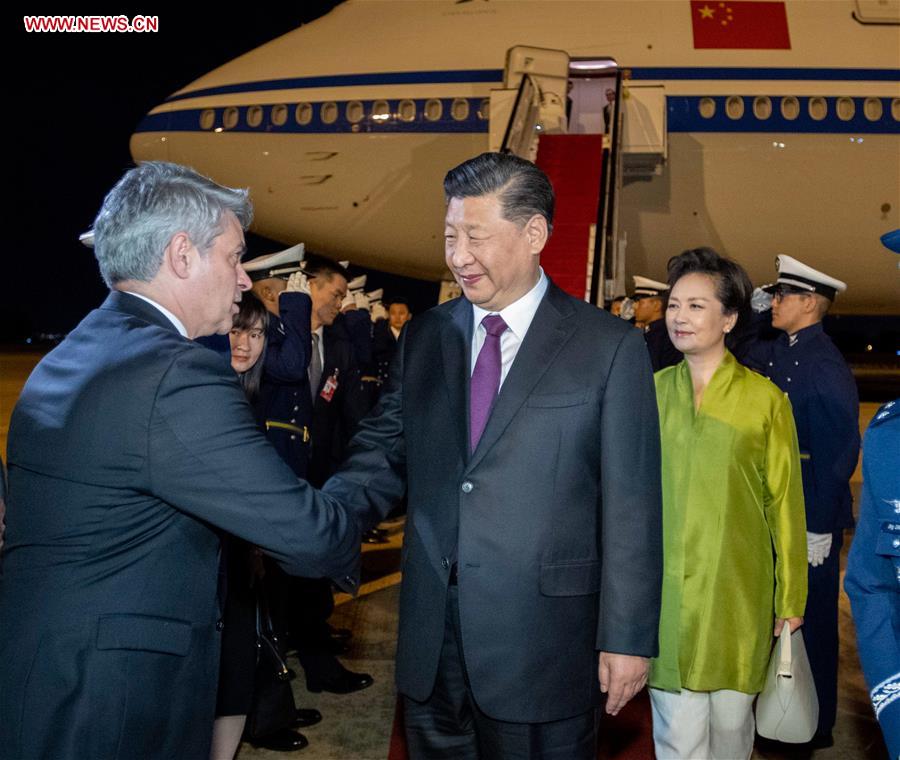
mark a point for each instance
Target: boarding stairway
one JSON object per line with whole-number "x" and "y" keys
{"x": 552, "y": 111}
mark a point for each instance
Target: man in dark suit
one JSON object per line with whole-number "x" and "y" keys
{"x": 131, "y": 447}
{"x": 532, "y": 555}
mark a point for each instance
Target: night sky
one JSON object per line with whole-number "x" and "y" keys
{"x": 76, "y": 99}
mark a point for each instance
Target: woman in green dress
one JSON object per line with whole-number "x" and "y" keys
{"x": 734, "y": 530}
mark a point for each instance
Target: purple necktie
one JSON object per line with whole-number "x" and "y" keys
{"x": 485, "y": 378}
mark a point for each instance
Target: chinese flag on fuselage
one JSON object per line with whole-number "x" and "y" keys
{"x": 740, "y": 24}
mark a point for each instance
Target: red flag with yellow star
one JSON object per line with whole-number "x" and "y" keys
{"x": 740, "y": 24}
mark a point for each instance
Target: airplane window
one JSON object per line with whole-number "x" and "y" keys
{"x": 208, "y": 119}
{"x": 762, "y": 107}
{"x": 355, "y": 111}
{"x": 254, "y": 116}
{"x": 846, "y": 109}
{"x": 459, "y": 109}
{"x": 895, "y": 109}
{"x": 818, "y": 108}
{"x": 407, "y": 110}
{"x": 279, "y": 115}
{"x": 734, "y": 107}
{"x": 434, "y": 109}
{"x": 230, "y": 119}
{"x": 484, "y": 109}
{"x": 707, "y": 108}
{"x": 790, "y": 108}
{"x": 381, "y": 111}
{"x": 304, "y": 113}
{"x": 872, "y": 109}
{"x": 329, "y": 112}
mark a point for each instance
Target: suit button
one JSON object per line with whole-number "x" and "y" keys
{"x": 220, "y": 624}
{"x": 897, "y": 543}
{"x": 789, "y": 379}
{"x": 796, "y": 364}
{"x": 445, "y": 563}
{"x": 293, "y": 438}
{"x": 770, "y": 364}
{"x": 467, "y": 487}
{"x": 296, "y": 408}
{"x": 293, "y": 421}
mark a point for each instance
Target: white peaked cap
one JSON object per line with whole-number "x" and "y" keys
{"x": 276, "y": 264}
{"x": 801, "y": 276}
{"x": 357, "y": 283}
{"x": 644, "y": 286}
{"x": 376, "y": 295}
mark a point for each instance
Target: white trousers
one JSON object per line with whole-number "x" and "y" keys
{"x": 702, "y": 725}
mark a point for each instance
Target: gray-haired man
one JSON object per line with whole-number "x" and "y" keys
{"x": 130, "y": 448}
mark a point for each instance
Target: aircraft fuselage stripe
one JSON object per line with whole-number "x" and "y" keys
{"x": 496, "y": 75}
{"x": 683, "y": 115}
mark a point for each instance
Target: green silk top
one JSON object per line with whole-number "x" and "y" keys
{"x": 734, "y": 528}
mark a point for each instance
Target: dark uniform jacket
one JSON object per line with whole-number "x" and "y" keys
{"x": 129, "y": 447}
{"x": 555, "y": 518}
{"x": 873, "y": 571}
{"x": 826, "y": 410}
{"x": 285, "y": 405}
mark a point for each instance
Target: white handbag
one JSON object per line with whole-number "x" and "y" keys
{"x": 787, "y": 710}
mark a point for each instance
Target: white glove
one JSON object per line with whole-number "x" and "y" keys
{"x": 362, "y": 300}
{"x": 627, "y": 311}
{"x": 298, "y": 282}
{"x": 818, "y": 547}
{"x": 378, "y": 311}
{"x": 761, "y": 301}
{"x": 349, "y": 302}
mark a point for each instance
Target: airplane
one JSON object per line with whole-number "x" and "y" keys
{"x": 343, "y": 130}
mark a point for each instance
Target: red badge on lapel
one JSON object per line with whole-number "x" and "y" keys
{"x": 330, "y": 386}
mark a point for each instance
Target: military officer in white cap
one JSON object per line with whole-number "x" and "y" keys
{"x": 806, "y": 365}
{"x": 649, "y": 309}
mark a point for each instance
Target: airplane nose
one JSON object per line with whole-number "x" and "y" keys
{"x": 151, "y": 138}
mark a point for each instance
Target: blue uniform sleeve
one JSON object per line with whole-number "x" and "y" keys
{"x": 832, "y": 409}
{"x": 288, "y": 346}
{"x": 873, "y": 575}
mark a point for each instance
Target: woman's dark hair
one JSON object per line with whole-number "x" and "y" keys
{"x": 733, "y": 286}
{"x": 252, "y": 312}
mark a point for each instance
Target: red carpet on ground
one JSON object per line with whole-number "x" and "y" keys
{"x": 628, "y": 736}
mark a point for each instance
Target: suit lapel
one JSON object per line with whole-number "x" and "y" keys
{"x": 456, "y": 349}
{"x": 549, "y": 331}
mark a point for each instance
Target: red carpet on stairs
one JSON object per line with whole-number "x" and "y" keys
{"x": 628, "y": 736}
{"x": 574, "y": 164}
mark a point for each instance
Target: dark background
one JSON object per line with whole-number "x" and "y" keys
{"x": 76, "y": 99}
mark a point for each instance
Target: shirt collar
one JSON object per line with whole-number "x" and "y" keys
{"x": 518, "y": 314}
{"x": 176, "y": 322}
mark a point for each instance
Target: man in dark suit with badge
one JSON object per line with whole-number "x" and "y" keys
{"x": 808, "y": 367}
{"x": 532, "y": 555}
{"x": 130, "y": 448}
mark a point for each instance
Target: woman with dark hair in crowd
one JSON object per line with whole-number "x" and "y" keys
{"x": 734, "y": 531}
{"x": 239, "y": 652}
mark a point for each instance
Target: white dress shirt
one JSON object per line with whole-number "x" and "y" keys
{"x": 176, "y": 322}
{"x": 518, "y": 316}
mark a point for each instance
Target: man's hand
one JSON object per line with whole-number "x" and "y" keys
{"x": 621, "y": 677}
{"x": 794, "y": 623}
{"x": 297, "y": 283}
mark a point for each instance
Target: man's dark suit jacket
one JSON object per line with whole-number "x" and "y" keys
{"x": 129, "y": 449}
{"x": 555, "y": 518}
{"x": 334, "y": 421}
